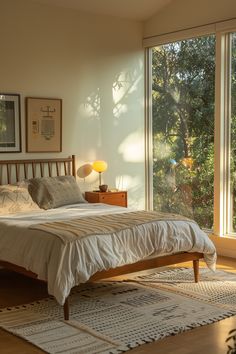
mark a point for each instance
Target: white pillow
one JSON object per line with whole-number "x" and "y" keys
{"x": 15, "y": 199}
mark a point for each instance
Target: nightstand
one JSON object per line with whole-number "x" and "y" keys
{"x": 114, "y": 198}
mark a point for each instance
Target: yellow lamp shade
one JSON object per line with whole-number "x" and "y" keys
{"x": 99, "y": 166}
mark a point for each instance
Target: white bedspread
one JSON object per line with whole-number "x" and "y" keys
{"x": 66, "y": 265}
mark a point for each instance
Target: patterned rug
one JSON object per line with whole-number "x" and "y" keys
{"x": 217, "y": 288}
{"x": 114, "y": 317}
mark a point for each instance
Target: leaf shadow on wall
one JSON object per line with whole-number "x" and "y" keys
{"x": 113, "y": 117}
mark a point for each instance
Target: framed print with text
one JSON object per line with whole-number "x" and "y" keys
{"x": 43, "y": 124}
{"x": 10, "y": 130}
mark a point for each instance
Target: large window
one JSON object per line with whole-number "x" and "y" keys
{"x": 191, "y": 125}
{"x": 183, "y": 90}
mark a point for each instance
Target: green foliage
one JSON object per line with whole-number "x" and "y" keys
{"x": 183, "y": 128}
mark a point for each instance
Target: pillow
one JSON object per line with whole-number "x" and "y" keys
{"x": 15, "y": 199}
{"x": 53, "y": 192}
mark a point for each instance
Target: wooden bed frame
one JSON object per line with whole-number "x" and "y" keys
{"x": 12, "y": 171}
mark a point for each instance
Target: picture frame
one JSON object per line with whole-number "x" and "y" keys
{"x": 43, "y": 124}
{"x": 10, "y": 123}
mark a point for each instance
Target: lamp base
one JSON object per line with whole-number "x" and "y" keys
{"x": 103, "y": 187}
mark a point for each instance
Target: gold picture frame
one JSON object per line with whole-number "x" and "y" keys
{"x": 43, "y": 124}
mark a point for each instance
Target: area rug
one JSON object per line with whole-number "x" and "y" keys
{"x": 114, "y": 317}
{"x": 217, "y": 288}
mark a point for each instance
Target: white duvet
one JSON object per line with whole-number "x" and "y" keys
{"x": 66, "y": 265}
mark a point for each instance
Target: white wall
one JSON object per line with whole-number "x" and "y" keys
{"x": 95, "y": 64}
{"x": 182, "y": 14}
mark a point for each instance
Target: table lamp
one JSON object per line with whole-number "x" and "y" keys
{"x": 99, "y": 166}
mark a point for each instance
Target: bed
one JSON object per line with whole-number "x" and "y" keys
{"x": 66, "y": 245}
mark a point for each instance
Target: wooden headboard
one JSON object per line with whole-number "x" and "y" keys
{"x": 12, "y": 171}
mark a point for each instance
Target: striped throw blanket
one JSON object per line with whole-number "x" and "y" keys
{"x": 72, "y": 229}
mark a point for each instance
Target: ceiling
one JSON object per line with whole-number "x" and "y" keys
{"x": 139, "y": 10}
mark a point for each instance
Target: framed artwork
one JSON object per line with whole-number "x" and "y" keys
{"x": 43, "y": 124}
{"x": 10, "y": 130}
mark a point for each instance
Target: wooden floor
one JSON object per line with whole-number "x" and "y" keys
{"x": 16, "y": 289}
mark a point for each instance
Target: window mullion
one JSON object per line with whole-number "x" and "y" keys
{"x": 222, "y": 137}
{"x": 227, "y": 120}
{"x": 148, "y": 131}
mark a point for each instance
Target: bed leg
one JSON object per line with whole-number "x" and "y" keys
{"x": 196, "y": 270}
{"x": 66, "y": 309}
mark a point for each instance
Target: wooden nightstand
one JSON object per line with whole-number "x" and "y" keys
{"x": 114, "y": 198}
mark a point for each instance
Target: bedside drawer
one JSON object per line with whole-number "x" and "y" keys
{"x": 114, "y": 199}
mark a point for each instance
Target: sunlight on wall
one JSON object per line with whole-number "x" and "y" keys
{"x": 91, "y": 108}
{"x": 109, "y": 117}
{"x": 126, "y": 182}
{"x": 133, "y": 185}
{"x": 118, "y": 110}
{"x": 125, "y": 83}
{"x": 132, "y": 148}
